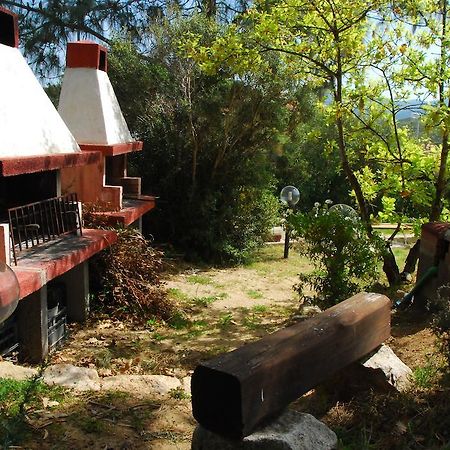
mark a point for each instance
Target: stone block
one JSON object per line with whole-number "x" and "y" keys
{"x": 388, "y": 364}
{"x": 67, "y": 375}
{"x": 290, "y": 431}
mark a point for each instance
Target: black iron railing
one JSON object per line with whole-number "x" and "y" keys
{"x": 39, "y": 222}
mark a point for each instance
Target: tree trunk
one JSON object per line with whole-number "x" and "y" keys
{"x": 411, "y": 259}
{"x": 390, "y": 266}
{"x": 441, "y": 180}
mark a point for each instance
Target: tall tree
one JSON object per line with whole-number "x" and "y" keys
{"x": 320, "y": 43}
{"x": 339, "y": 43}
{"x": 425, "y": 64}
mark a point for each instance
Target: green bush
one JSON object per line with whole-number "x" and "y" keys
{"x": 209, "y": 144}
{"x": 345, "y": 260}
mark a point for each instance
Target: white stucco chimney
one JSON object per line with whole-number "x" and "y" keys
{"x": 88, "y": 103}
{"x": 29, "y": 123}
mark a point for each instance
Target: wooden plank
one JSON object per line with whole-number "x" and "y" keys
{"x": 235, "y": 392}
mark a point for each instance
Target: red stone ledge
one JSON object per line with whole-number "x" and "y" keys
{"x": 114, "y": 149}
{"x": 133, "y": 209}
{"x": 30, "y": 164}
{"x": 43, "y": 263}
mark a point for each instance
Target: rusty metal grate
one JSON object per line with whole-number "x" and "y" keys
{"x": 39, "y": 222}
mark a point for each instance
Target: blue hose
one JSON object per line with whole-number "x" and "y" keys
{"x": 407, "y": 299}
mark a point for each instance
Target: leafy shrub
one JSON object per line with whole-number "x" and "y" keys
{"x": 127, "y": 279}
{"x": 344, "y": 258}
{"x": 209, "y": 143}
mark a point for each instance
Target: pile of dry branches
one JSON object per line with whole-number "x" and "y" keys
{"x": 126, "y": 278}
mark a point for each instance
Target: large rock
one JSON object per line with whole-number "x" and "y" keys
{"x": 142, "y": 384}
{"x": 186, "y": 384}
{"x": 78, "y": 378}
{"x": 19, "y": 373}
{"x": 395, "y": 371}
{"x": 381, "y": 371}
{"x": 291, "y": 431}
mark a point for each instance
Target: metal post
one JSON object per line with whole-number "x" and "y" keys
{"x": 286, "y": 241}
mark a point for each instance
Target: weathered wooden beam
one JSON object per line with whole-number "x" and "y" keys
{"x": 235, "y": 392}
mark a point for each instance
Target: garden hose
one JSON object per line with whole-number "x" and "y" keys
{"x": 407, "y": 299}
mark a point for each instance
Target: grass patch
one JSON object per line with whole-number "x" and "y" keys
{"x": 179, "y": 394}
{"x": 204, "y": 301}
{"x": 199, "y": 279}
{"x": 16, "y": 399}
{"x": 103, "y": 358}
{"x": 425, "y": 376}
{"x": 400, "y": 255}
{"x": 197, "y": 328}
{"x": 177, "y": 294}
{"x": 225, "y": 320}
{"x": 179, "y": 321}
{"x": 260, "y": 309}
{"x": 158, "y": 336}
{"x": 252, "y": 322}
{"x": 254, "y": 294}
{"x": 91, "y": 425}
{"x": 269, "y": 261}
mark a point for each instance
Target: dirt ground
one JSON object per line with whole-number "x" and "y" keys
{"x": 223, "y": 309}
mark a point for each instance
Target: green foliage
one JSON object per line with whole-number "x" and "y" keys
{"x": 16, "y": 398}
{"x": 424, "y": 376}
{"x": 179, "y": 394}
{"x": 344, "y": 258}
{"x": 332, "y": 45}
{"x": 307, "y": 157}
{"x": 207, "y": 144}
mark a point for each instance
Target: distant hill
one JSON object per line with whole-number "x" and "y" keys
{"x": 413, "y": 109}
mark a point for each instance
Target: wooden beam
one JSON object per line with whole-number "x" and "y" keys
{"x": 235, "y": 392}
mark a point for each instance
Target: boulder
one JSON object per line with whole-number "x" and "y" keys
{"x": 381, "y": 371}
{"x": 395, "y": 371}
{"x": 67, "y": 375}
{"x": 186, "y": 384}
{"x": 290, "y": 431}
{"x": 19, "y": 373}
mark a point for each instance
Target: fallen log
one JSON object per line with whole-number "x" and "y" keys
{"x": 235, "y": 392}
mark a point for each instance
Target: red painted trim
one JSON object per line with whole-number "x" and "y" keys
{"x": 46, "y": 262}
{"x": 128, "y": 215}
{"x": 31, "y": 164}
{"x": 87, "y": 54}
{"x": 114, "y": 149}
{"x": 30, "y": 280}
{"x": 8, "y": 39}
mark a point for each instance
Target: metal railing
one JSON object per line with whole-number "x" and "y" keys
{"x": 39, "y": 222}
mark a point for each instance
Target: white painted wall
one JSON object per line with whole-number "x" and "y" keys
{"x": 29, "y": 123}
{"x": 90, "y": 108}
